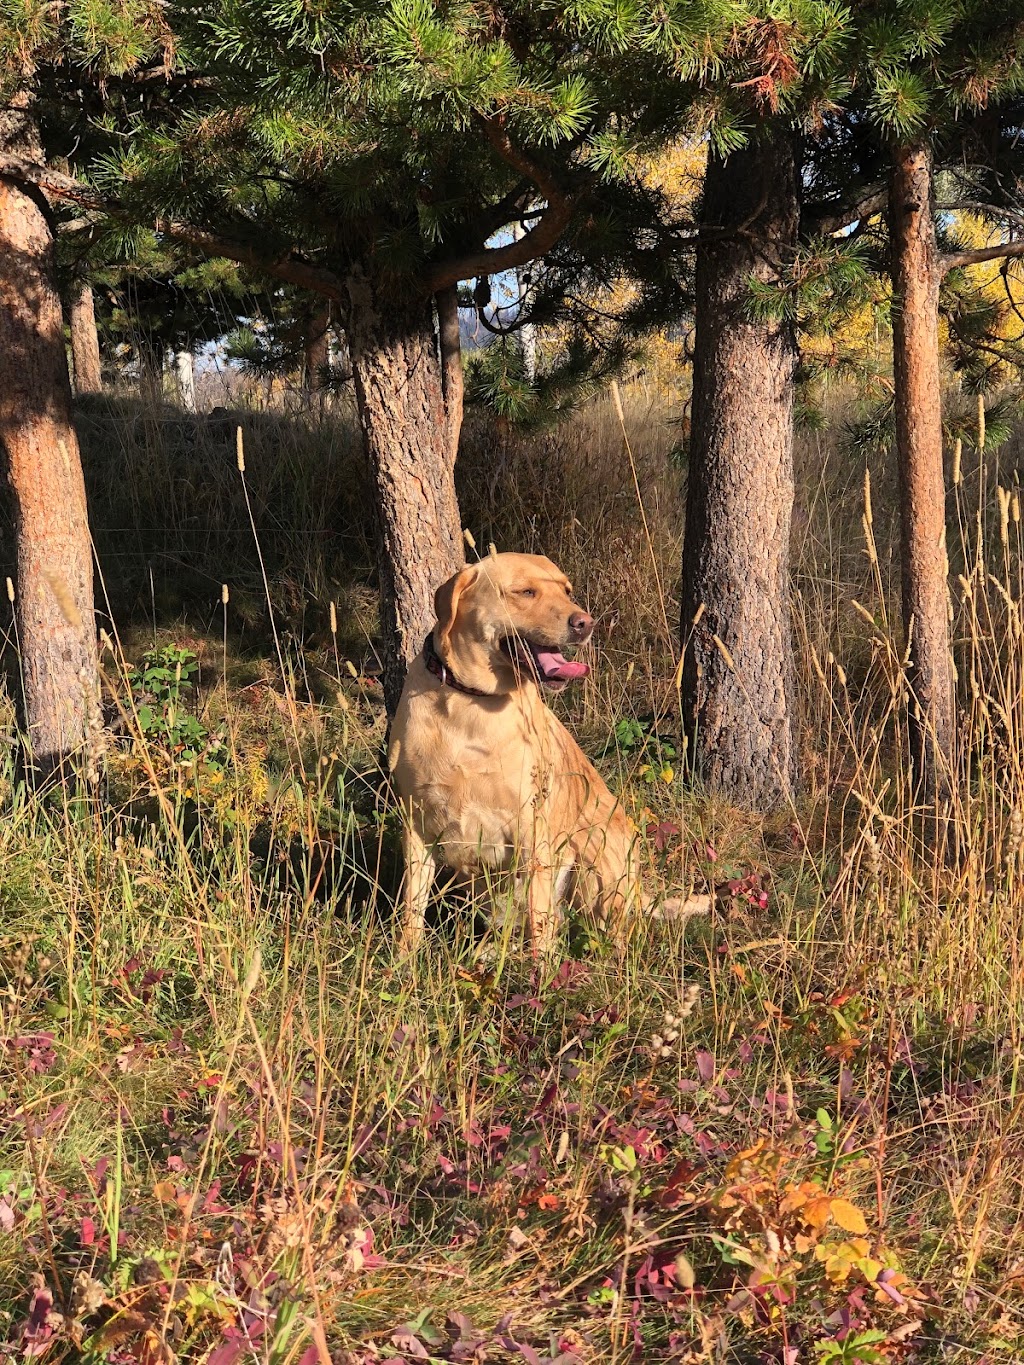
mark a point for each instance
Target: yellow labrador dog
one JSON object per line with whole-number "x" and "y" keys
{"x": 488, "y": 777}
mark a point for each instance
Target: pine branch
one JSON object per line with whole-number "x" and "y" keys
{"x": 519, "y": 205}
{"x": 1005, "y": 277}
{"x": 65, "y": 188}
{"x": 985, "y": 253}
{"x": 832, "y": 218}
{"x": 493, "y": 260}
{"x": 286, "y": 268}
{"x": 494, "y": 131}
{"x": 552, "y": 222}
{"x": 503, "y": 329}
{"x": 1010, "y": 215}
{"x": 973, "y": 344}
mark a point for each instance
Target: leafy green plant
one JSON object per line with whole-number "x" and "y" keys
{"x": 162, "y": 689}
{"x": 855, "y": 1349}
{"x": 640, "y": 738}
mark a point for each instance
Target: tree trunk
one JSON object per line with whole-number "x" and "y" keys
{"x": 54, "y": 600}
{"x": 396, "y": 366}
{"x": 185, "y": 378}
{"x": 737, "y": 681}
{"x": 916, "y": 277}
{"x": 85, "y": 343}
{"x": 452, "y": 377}
{"x": 317, "y": 349}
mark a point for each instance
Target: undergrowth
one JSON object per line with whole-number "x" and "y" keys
{"x": 234, "y": 1126}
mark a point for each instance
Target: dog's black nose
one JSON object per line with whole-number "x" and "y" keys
{"x": 580, "y": 624}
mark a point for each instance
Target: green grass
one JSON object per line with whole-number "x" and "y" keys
{"x": 234, "y": 1126}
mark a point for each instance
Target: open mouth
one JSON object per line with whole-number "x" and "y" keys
{"x": 545, "y": 663}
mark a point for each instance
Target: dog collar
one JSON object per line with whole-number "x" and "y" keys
{"x": 437, "y": 666}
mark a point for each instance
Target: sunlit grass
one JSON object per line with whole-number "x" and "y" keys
{"x": 232, "y": 1120}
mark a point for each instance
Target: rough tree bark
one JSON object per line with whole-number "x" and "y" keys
{"x": 737, "y": 695}
{"x": 396, "y": 366}
{"x": 917, "y": 269}
{"x": 54, "y": 599}
{"x": 85, "y": 342}
{"x": 452, "y": 378}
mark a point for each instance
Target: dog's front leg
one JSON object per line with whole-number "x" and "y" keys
{"x": 542, "y": 910}
{"x": 420, "y": 870}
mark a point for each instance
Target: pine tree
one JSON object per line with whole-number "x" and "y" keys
{"x": 53, "y": 600}
{"x": 938, "y": 88}
{"x": 85, "y": 341}
{"x": 784, "y": 69}
{"x": 54, "y": 603}
{"x": 888, "y": 95}
{"x": 290, "y": 334}
{"x": 370, "y": 153}
{"x": 738, "y": 665}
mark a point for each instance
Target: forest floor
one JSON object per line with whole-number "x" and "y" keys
{"x": 235, "y": 1127}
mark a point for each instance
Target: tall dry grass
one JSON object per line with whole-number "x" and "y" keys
{"x": 232, "y": 1121}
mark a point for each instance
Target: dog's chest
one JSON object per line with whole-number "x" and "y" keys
{"x": 474, "y": 785}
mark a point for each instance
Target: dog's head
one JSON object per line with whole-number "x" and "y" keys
{"x": 509, "y": 618}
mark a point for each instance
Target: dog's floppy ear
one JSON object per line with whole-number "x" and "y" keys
{"x": 446, "y": 601}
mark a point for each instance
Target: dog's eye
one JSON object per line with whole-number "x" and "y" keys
{"x": 527, "y": 592}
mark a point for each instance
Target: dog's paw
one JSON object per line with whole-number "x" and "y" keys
{"x": 683, "y": 907}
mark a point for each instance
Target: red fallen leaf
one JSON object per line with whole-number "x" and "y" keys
{"x": 546, "y": 1100}
{"x": 41, "y": 1055}
{"x": 38, "y": 1328}
{"x": 705, "y": 1065}
{"x": 549, "y": 1202}
{"x": 87, "y": 1232}
{"x": 229, "y": 1350}
{"x": 536, "y": 1195}
{"x": 310, "y": 1356}
{"x": 681, "y": 1174}
{"x": 569, "y": 974}
{"x": 746, "y": 888}
{"x": 98, "y": 1174}
{"x": 409, "y": 1345}
{"x": 55, "y": 1115}
{"x": 842, "y": 998}
{"x": 531, "y": 1356}
{"x": 663, "y": 833}
{"x": 211, "y": 1203}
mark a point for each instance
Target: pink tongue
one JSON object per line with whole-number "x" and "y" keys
{"x": 556, "y": 667}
